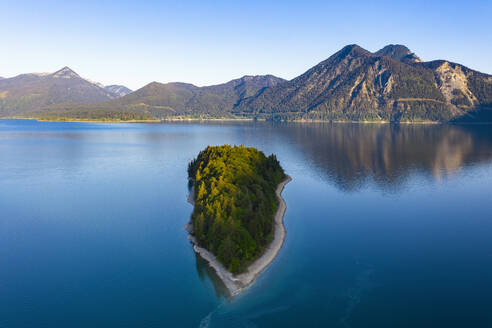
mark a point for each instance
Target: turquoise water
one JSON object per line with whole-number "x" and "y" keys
{"x": 387, "y": 226}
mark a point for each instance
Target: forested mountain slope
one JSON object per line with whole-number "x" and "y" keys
{"x": 392, "y": 84}
{"x": 158, "y": 100}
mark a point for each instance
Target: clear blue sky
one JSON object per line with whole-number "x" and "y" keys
{"x": 208, "y": 42}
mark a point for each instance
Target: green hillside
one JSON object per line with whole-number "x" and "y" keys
{"x": 158, "y": 100}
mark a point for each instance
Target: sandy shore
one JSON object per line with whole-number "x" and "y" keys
{"x": 237, "y": 284}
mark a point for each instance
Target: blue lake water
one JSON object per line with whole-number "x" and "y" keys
{"x": 387, "y": 226}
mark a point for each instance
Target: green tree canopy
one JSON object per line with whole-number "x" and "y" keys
{"x": 235, "y": 202}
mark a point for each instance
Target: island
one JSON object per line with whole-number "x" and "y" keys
{"x": 237, "y": 220}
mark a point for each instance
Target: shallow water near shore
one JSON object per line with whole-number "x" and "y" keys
{"x": 387, "y": 226}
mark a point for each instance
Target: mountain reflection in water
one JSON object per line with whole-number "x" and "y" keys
{"x": 350, "y": 155}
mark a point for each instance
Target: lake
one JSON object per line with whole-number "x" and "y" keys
{"x": 387, "y": 226}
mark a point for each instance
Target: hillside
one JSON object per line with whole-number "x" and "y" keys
{"x": 389, "y": 85}
{"x": 29, "y": 93}
{"x": 158, "y": 100}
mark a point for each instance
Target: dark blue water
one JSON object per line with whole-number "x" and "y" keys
{"x": 387, "y": 226}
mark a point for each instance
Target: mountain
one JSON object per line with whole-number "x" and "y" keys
{"x": 398, "y": 52}
{"x": 119, "y": 90}
{"x": 158, "y": 100}
{"x": 392, "y": 84}
{"x": 28, "y": 93}
{"x": 187, "y": 99}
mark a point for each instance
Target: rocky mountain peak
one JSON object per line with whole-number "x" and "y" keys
{"x": 118, "y": 90}
{"x": 352, "y": 50}
{"x": 398, "y": 52}
{"x": 65, "y": 73}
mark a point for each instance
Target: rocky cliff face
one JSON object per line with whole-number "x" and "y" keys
{"x": 453, "y": 84}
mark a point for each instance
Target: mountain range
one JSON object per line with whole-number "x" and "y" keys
{"x": 392, "y": 84}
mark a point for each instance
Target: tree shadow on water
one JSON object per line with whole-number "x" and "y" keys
{"x": 205, "y": 271}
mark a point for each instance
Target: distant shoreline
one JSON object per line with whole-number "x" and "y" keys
{"x": 192, "y": 119}
{"x": 131, "y": 121}
{"x": 239, "y": 283}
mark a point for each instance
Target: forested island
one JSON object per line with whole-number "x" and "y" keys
{"x": 237, "y": 205}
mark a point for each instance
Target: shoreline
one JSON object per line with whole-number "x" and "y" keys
{"x": 157, "y": 120}
{"x": 299, "y": 121}
{"x": 239, "y": 283}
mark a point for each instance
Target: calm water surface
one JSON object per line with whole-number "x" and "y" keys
{"x": 387, "y": 226}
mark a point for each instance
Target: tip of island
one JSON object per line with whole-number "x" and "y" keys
{"x": 237, "y": 220}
